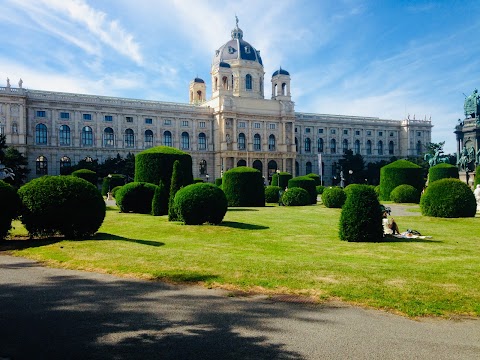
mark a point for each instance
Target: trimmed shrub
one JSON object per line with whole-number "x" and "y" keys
{"x": 218, "y": 182}
{"x": 306, "y": 183}
{"x": 442, "y": 171}
{"x": 272, "y": 194}
{"x": 377, "y": 190}
{"x": 283, "y": 177}
{"x": 89, "y": 175}
{"x": 315, "y": 177}
{"x": 405, "y": 194}
{"x": 201, "y": 203}
{"x": 10, "y": 208}
{"x": 136, "y": 197}
{"x": 197, "y": 180}
{"x": 361, "y": 217}
{"x": 296, "y": 196}
{"x": 65, "y": 205}
{"x": 175, "y": 185}
{"x": 320, "y": 189}
{"x": 160, "y": 200}
{"x": 243, "y": 186}
{"x": 333, "y": 197}
{"x": 349, "y": 188}
{"x": 111, "y": 182}
{"x": 448, "y": 198}
{"x": 398, "y": 173}
{"x": 114, "y": 191}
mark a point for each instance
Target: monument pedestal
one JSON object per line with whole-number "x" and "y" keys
{"x": 467, "y": 177}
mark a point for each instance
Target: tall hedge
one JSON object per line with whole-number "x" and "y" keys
{"x": 281, "y": 179}
{"x": 315, "y": 177}
{"x": 361, "y": 217}
{"x": 109, "y": 183}
{"x": 442, "y": 171}
{"x": 86, "y": 174}
{"x": 306, "y": 183}
{"x": 175, "y": 185}
{"x": 155, "y": 164}
{"x": 398, "y": 173}
{"x": 243, "y": 186}
{"x": 9, "y": 208}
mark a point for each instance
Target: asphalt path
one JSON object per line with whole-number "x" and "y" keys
{"x": 48, "y": 313}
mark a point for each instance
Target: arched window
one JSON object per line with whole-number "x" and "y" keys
{"x": 369, "y": 147}
{"x": 129, "y": 138}
{"x": 185, "y": 141}
{"x": 380, "y": 148}
{"x": 257, "y": 145}
{"x": 41, "y": 134}
{"x": 241, "y": 163}
{"x": 345, "y": 145}
{"x": 148, "y": 138}
{"x": 357, "y": 146}
{"x": 167, "y": 138}
{"x": 333, "y": 146}
{"x": 248, "y": 82}
{"x": 202, "y": 141}
{"x": 64, "y": 135}
{"x": 14, "y": 128}
{"x": 320, "y": 145}
{"x": 271, "y": 142}
{"x": 296, "y": 145}
{"x": 87, "y": 136}
{"x": 241, "y": 141}
{"x": 42, "y": 165}
{"x": 225, "y": 83}
{"x": 108, "y": 137}
{"x": 308, "y": 167}
{"x": 419, "y": 147}
{"x": 257, "y": 164}
{"x": 308, "y": 145}
{"x": 203, "y": 167}
{"x": 284, "y": 89}
{"x": 391, "y": 148}
{"x": 65, "y": 163}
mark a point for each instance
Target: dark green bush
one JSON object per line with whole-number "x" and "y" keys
{"x": 160, "y": 200}
{"x": 136, "y": 197}
{"x": 272, "y": 194}
{"x": 361, "y": 217}
{"x": 349, "y": 188}
{"x": 405, "y": 194}
{"x": 442, "y": 171}
{"x": 448, "y": 198}
{"x": 175, "y": 185}
{"x": 398, "y": 173}
{"x": 218, "y": 182}
{"x": 89, "y": 175}
{"x": 111, "y": 182}
{"x": 9, "y": 208}
{"x": 320, "y": 189}
{"x": 197, "y": 180}
{"x": 305, "y": 183}
{"x": 243, "y": 186}
{"x": 114, "y": 191}
{"x": 201, "y": 203}
{"x": 283, "y": 177}
{"x": 296, "y": 196}
{"x": 65, "y": 205}
{"x": 377, "y": 190}
{"x": 315, "y": 177}
{"x": 333, "y": 197}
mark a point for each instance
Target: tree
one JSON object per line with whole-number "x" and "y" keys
{"x": 3, "y": 146}
{"x": 15, "y": 160}
{"x": 352, "y": 167}
{"x": 175, "y": 185}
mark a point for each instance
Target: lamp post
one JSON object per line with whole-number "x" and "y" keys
{"x": 109, "y": 194}
{"x": 278, "y": 177}
{"x": 350, "y": 173}
{"x": 207, "y": 177}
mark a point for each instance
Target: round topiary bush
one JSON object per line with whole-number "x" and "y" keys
{"x": 333, "y": 197}
{"x": 361, "y": 217}
{"x": 398, "y": 173}
{"x": 405, "y": 194}
{"x": 442, "y": 171}
{"x": 305, "y": 183}
{"x": 448, "y": 198}
{"x": 320, "y": 189}
{"x": 136, "y": 197}
{"x": 315, "y": 177}
{"x": 86, "y": 174}
{"x": 296, "y": 197}
{"x": 65, "y": 205}
{"x": 201, "y": 203}
{"x": 9, "y": 208}
{"x": 114, "y": 191}
{"x": 243, "y": 186}
{"x": 281, "y": 179}
{"x": 109, "y": 183}
{"x": 272, "y": 194}
{"x": 349, "y": 188}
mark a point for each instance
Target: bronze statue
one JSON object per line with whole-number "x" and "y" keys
{"x": 471, "y": 105}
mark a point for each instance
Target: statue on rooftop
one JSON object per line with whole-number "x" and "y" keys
{"x": 471, "y": 105}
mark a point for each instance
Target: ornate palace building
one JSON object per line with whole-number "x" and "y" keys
{"x": 236, "y": 126}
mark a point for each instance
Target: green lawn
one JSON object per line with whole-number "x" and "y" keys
{"x": 292, "y": 250}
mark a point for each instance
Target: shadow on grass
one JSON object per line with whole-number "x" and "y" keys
{"x": 238, "y": 225}
{"x": 185, "y": 277}
{"x": 105, "y": 236}
{"x": 241, "y": 209}
{"x": 394, "y": 239}
{"x": 26, "y": 243}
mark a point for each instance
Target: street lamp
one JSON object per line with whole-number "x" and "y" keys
{"x": 109, "y": 194}
{"x": 207, "y": 176}
{"x": 278, "y": 177}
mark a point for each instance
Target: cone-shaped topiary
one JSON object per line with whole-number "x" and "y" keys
{"x": 296, "y": 196}
{"x": 201, "y": 203}
{"x": 405, "y": 194}
{"x": 306, "y": 183}
{"x": 175, "y": 185}
{"x": 160, "y": 200}
{"x": 442, "y": 171}
{"x": 398, "y": 173}
{"x": 448, "y": 198}
{"x": 86, "y": 174}
{"x": 361, "y": 217}
{"x": 243, "y": 186}
{"x": 65, "y": 205}
{"x": 9, "y": 208}
{"x": 272, "y": 193}
{"x": 334, "y": 197}
{"x": 136, "y": 197}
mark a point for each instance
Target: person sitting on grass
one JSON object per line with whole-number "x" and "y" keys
{"x": 390, "y": 227}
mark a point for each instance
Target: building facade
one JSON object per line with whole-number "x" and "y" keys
{"x": 236, "y": 126}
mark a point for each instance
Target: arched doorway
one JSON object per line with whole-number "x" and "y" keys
{"x": 241, "y": 163}
{"x": 257, "y": 164}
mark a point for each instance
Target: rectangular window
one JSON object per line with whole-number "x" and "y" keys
{"x": 148, "y": 121}
{"x": 380, "y": 133}
{"x": 369, "y": 133}
{"x": 167, "y": 122}
{"x": 296, "y": 129}
{"x": 87, "y": 116}
{"x": 272, "y": 126}
{"x": 332, "y": 131}
{"x": 256, "y": 125}
{"x": 419, "y": 133}
{"x": 320, "y": 131}
{"x": 41, "y": 113}
{"x": 129, "y": 119}
{"x": 241, "y": 124}
{"x": 202, "y": 124}
{"x": 184, "y": 122}
{"x": 307, "y": 130}
{"x": 357, "y": 132}
{"x": 391, "y": 133}
{"x": 64, "y": 115}
{"x": 108, "y": 118}
{"x": 345, "y": 132}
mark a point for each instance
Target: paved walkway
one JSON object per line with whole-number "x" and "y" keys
{"x": 48, "y": 313}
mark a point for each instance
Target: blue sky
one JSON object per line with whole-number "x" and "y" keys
{"x": 388, "y": 59}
